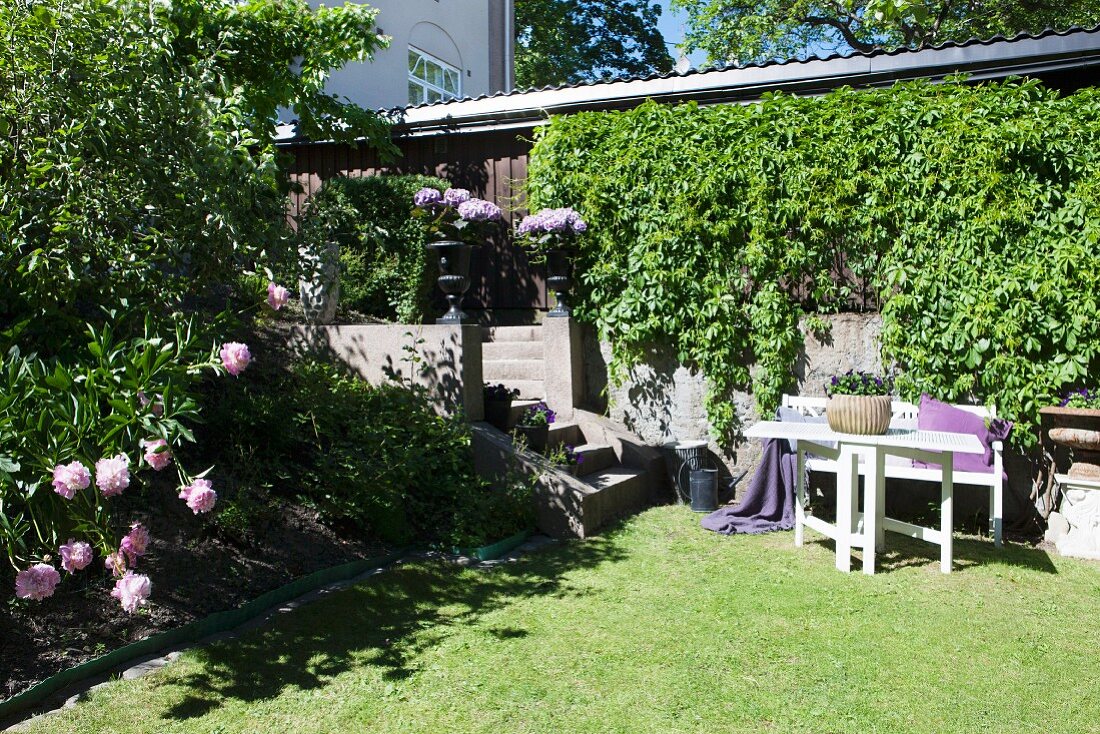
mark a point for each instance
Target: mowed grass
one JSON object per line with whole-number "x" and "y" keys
{"x": 658, "y": 626}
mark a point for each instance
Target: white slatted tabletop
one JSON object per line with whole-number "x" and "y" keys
{"x": 958, "y": 443}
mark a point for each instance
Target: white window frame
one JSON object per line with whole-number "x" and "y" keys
{"x": 427, "y": 86}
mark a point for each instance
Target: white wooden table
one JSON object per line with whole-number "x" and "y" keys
{"x": 849, "y": 532}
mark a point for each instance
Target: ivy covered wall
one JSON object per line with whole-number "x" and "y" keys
{"x": 969, "y": 213}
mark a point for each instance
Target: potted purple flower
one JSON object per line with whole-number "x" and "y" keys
{"x": 456, "y": 223}
{"x": 859, "y": 403}
{"x": 1075, "y": 424}
{"x": 534, "y": 425}
{"x": 553, "y": 233}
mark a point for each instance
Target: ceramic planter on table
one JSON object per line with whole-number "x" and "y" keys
{"x": 865, "y": 415}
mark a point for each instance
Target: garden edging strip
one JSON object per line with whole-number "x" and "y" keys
{"x": 216, "y": 623}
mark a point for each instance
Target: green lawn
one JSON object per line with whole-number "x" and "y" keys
{"x": 658, "y": 626}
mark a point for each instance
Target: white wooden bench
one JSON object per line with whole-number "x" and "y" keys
{"x": 905, "y": 416}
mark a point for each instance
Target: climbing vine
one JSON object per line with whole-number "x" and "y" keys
{"x": 968, "y": 214}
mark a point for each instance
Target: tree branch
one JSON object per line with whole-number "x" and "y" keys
{"x": 845, "y": 31}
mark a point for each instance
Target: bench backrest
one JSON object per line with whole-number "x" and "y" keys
{"x": 904, "y": 415}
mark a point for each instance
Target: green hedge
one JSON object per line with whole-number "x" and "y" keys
{"x": 383, "y": 268}
{"x": 970, "y": 211}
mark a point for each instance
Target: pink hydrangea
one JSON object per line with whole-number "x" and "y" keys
{"x": 199, "y": 495}
{"x": 135, "y": 543}
{"x": 37, "y": 582}
{"x": 235, "y": 357}
{"x": 68, "y": 478}
{"x": 132, "y": 590}
{"x": 112, "y": 475}
{"x": 277, "y": 296}
{"x": 158, "y": 406}
{"x": 157, "y": 454}
{"x": 75, "y": 556}
{"x": 116, "y": 563}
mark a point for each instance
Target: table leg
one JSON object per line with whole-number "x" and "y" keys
{"x": 880, "y": 499}
{"x": 946, "y": 511}
{"x": 800, "y": 498}
{"x": 847, "y": 479}
{"x": 872, "y": 510}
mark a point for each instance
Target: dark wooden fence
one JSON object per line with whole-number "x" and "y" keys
{"x": 492, "y": 165}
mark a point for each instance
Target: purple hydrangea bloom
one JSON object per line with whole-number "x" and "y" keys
{"x": 531, "y": 224}
{"x": 479, "y": 210}
{"x": 427, "y": 197}
{"x": 454, "y": 197}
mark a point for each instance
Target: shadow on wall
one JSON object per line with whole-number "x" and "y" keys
{"x": 390, "y": 623}
{"x": 440, "y": 359}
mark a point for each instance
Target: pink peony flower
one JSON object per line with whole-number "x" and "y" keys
{"x": 277, "y": 296}
{"x": 158, "y": 407}
{"x": 157, "y": 454}
{"x": 135, "y": 543}
{"x": 199, "y": 495}
{"x": 75, "y": 556}
{"x": 235, "y": 357}
{"x": 68, "y": 478}
{"x": 112, "y": 475}
{"x": 37, "y": 582}
{"x": 132, "y": 590}
{"x": 116, "y": 563}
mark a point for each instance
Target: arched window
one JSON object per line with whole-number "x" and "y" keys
{"x": 431, "y": 79}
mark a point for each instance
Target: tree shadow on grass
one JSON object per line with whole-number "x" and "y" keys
{"x": 388, "y": 621}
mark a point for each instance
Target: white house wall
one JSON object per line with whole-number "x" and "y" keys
{"x": 454, "y": 31}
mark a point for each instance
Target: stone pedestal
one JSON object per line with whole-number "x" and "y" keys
{"x": 1075, "y": 528}
{"x": 563, "y": 361}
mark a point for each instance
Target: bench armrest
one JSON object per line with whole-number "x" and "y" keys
{"x": 997, "y": 446}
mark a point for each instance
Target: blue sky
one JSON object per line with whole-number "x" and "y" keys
{"x": 672, "y": 25}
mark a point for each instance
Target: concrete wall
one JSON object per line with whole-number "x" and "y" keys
{"x": 471, "y": 35}
{"x": 662, "y": 401}
{"x": 446, "y": 360}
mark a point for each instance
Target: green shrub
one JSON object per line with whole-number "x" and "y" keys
{"x": 972, "y": 213}
{"x": 383, "y": 263}
{"x": 378, "y": 457}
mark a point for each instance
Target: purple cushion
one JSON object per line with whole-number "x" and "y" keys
{"x": 934, "y": 415}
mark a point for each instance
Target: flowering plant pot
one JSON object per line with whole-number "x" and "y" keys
{"x": 866, "y": 415}
{"x": 1079, "y": 430}
{"x": 552, "y": 234}
{"x": 534, "y": 425}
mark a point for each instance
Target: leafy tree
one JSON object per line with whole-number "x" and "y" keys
{"x": 755, "y": 30}
{"x": 570, "y": 41}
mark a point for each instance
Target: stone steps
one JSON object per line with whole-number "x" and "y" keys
{"x": 594, "y": 457}
{"x": 502, "y": 370}
{"x": 529, "y": 390}
{"x": 563, "y": 434}
{"x": 511, "y": 334}
{"x": 498, "y": 351}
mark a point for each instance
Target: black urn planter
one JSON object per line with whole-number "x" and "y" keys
{"x": 454, "y": 277}
{"x": 559, "y": 269}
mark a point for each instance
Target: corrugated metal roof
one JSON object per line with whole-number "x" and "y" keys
{"x": 991, "y": 58}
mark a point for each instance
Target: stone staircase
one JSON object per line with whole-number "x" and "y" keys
{"x": 610, "y": 480}
{"x": 513, "y": 356}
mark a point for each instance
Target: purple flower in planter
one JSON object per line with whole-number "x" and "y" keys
{"x": 454, "y": 197}
{"x": 427, "y": 197}
{"x": 479, "y": 210}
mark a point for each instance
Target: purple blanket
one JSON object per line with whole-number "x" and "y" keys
{"x": 768, "y": 503}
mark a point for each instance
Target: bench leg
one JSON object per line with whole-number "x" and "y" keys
{"x": 996, "y": 513}
{"x": 947, "y": 511}
{"x": 800, "y": 499}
